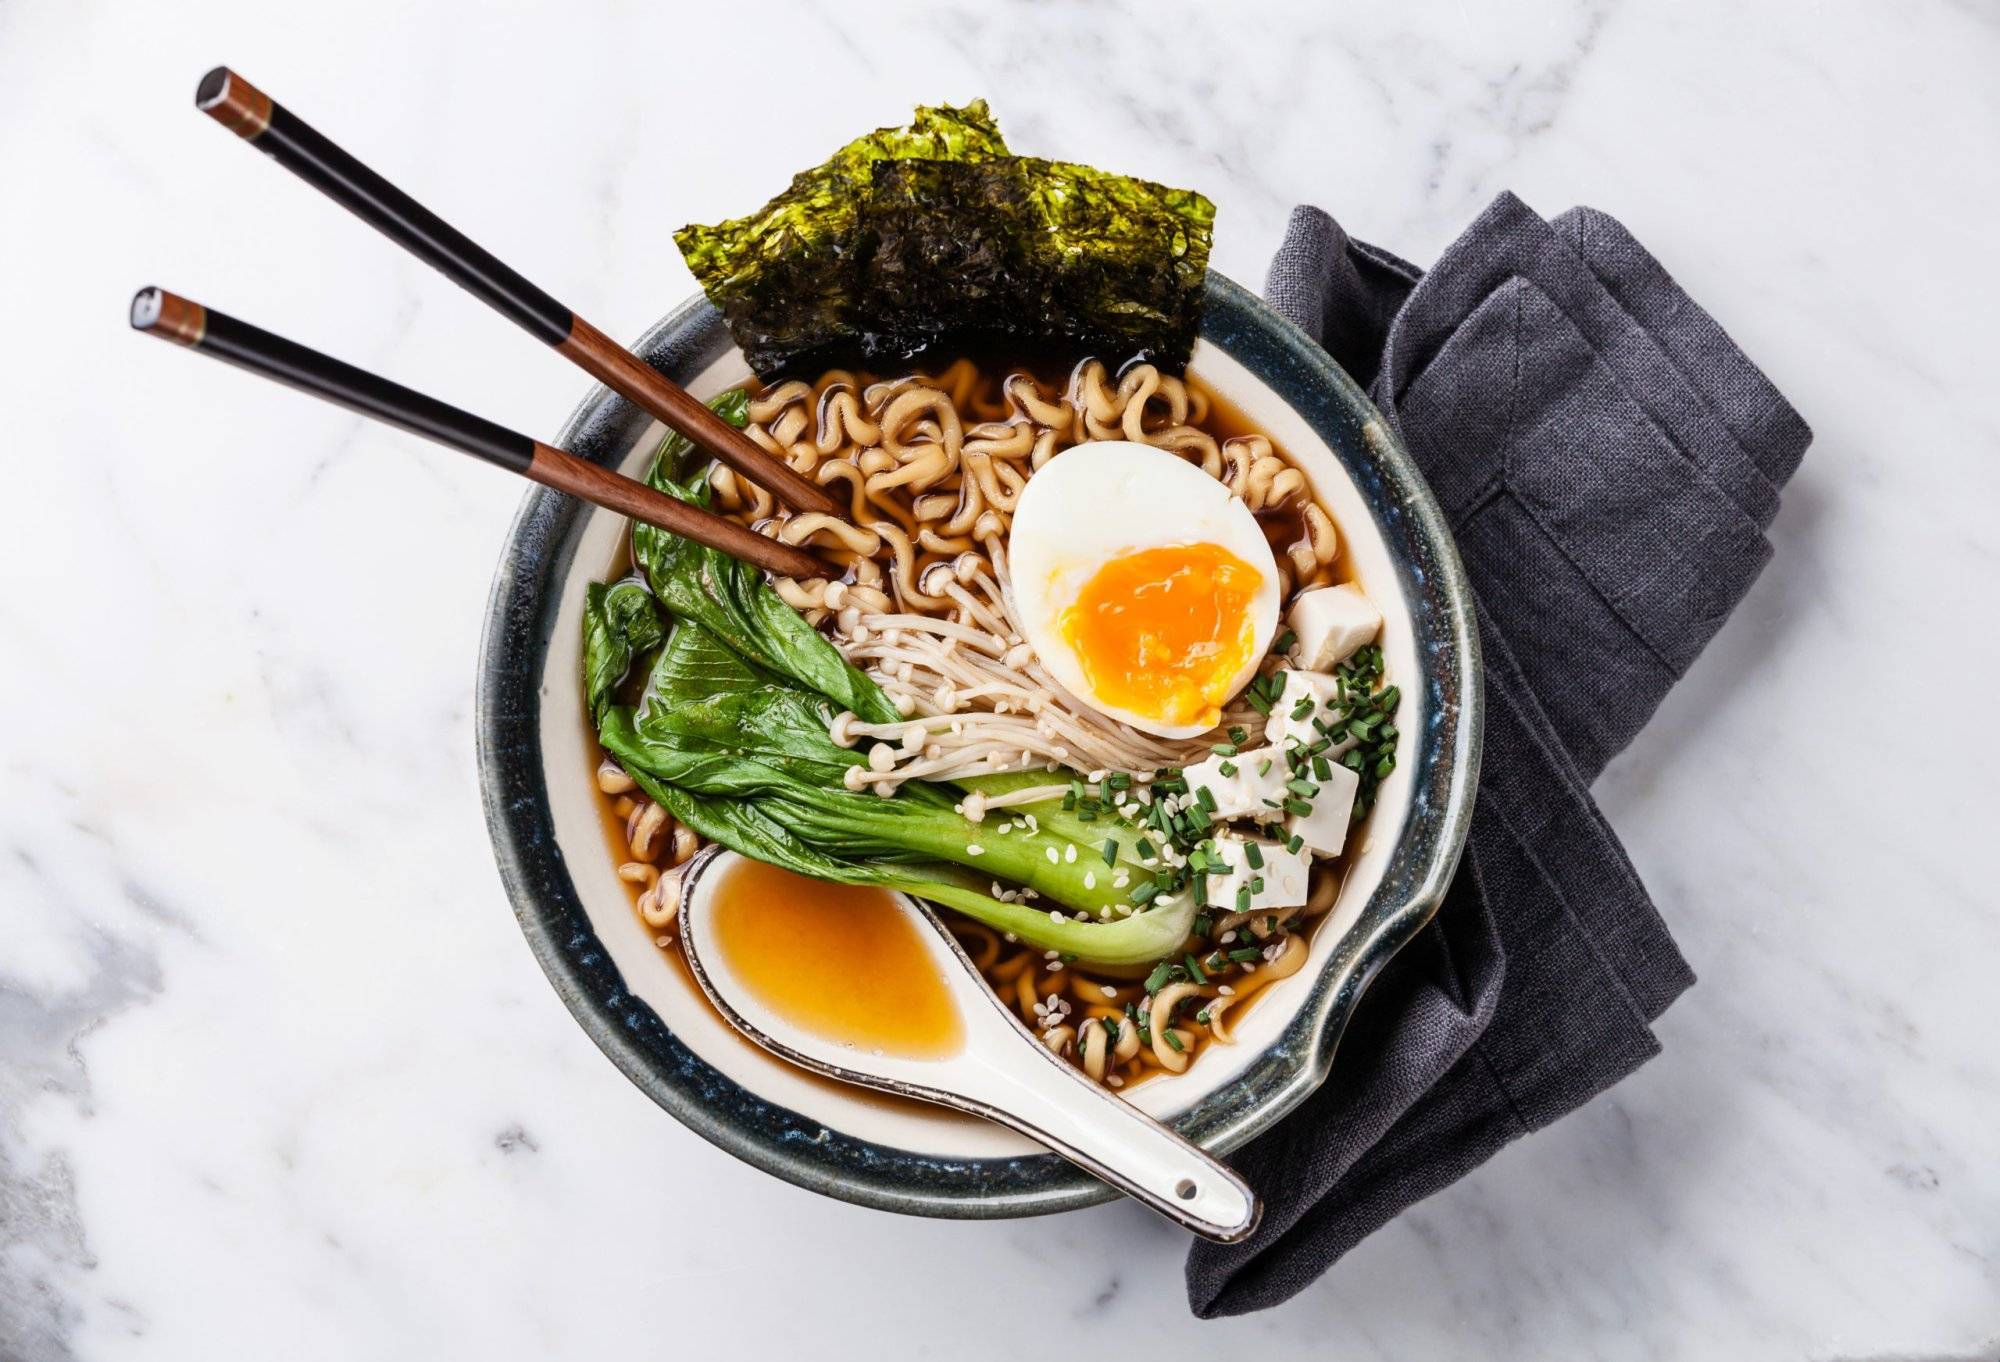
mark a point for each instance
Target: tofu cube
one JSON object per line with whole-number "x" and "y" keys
{"x": 1331, "y": 622}
{"x": 1324, "y": 830}
{"x": 1277, "y": 881}
{"x": 1291, "y": 722}
{"x": 1240, "y": 790}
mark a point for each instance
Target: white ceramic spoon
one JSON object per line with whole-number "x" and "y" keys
{"x": 1001, "y": 1072}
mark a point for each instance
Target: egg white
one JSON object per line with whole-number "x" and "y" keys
{"x": 1101, "y": 500}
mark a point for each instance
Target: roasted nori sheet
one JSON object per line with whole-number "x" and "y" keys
{"x": 933, "y": 239}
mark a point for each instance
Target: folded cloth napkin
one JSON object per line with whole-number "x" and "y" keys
{"x": 1609, "y": 461}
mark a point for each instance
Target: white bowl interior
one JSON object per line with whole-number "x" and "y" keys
{"x": 569, "y": 748}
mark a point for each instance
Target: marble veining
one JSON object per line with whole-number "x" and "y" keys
{"x": 278, "y": 1076}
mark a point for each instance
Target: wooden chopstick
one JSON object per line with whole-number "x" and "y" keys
{"x": 293, "y": 143}
{"x": 170, "y": 317}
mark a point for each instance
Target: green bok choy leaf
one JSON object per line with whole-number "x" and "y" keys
{"x": 733, "y": 740}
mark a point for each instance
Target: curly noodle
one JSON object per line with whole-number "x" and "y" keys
{"x": 930, "y": 468}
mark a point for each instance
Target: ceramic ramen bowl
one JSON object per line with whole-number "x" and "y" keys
{"x": 537, "y": 759}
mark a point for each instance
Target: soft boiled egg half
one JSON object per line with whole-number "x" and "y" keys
{"x": 1145, "y": 588}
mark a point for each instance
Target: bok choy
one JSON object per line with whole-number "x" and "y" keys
{"x": 731, "y": 737}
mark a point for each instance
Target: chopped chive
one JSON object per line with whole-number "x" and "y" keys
{"x": 1264, "y": 767}
{"x": 1257, "y": 701}
{"x": 1205, "y": 799}
{"x": 1146, "y": 850}
{"x": 1174, "y": 1040}
{"x": 1384, "y": 767}
{"x": 1305, "y": 789}
{"x": 1224, "y": 749}
{"x": 1158, "y": 978}
{"x": 1322, "y": 769}
{"x": 1227, "y": 768}
{"x": 1202, "y": 1016}
{"x": 1303, "y": 708}
{"x": 1243, "y": 900}
{"x": 1143, "y": 893}
{"x": 1293, "y": 843}
{"x": 1285, "y": 642}
{"x": 1110, "y": 851}
{"x": 1244, "y": 955}
{"x": 1254, "y": 854}
{"x": 1203, "y": 924}
{"x": 1238, "y": 735}
{"x": 1194, "y": 971}
{"x": 1301, "y": 807}
{"x": 1201, "y": 891}
{"x": 1256, "y": 884}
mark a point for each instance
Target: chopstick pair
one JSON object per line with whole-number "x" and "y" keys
{"x": 250, "y": 113}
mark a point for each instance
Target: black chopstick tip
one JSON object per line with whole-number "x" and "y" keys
{"x": 213, "y": 87}
{"x": 157, "y": 312}
{"x": 234, "y": 102}
{"x": 146, "y": 308}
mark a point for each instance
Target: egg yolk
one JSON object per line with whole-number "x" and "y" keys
{"x": 1163, "y": 631}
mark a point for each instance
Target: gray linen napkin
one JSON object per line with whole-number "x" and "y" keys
{"x": 1609, "y": 461}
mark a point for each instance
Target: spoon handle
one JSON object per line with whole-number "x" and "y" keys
{"x": 1110, "y": 1138}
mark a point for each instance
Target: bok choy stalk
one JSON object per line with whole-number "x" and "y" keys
{"x": 732, "y": 738}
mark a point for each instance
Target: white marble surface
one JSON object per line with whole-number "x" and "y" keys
{"x": 280, "y": 1077}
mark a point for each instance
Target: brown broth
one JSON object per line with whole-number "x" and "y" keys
{"x": 845, "y": 962}
{"x": 1283, "y": 528}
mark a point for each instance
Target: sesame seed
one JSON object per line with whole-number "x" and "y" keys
{"x": 1055, "y": 966}
{"x": 1090, "y": 879}
{"x": 1107, "y": 990}
{"x": 1069, "y": 853}
{"x": 1115, "y": 1081}
{"x": 974, "y": 849}
{"x": 1050, "y": 852}
{"x": 1225, "y": 990}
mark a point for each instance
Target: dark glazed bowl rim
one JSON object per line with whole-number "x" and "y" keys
{"x": 521, "y": 611}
